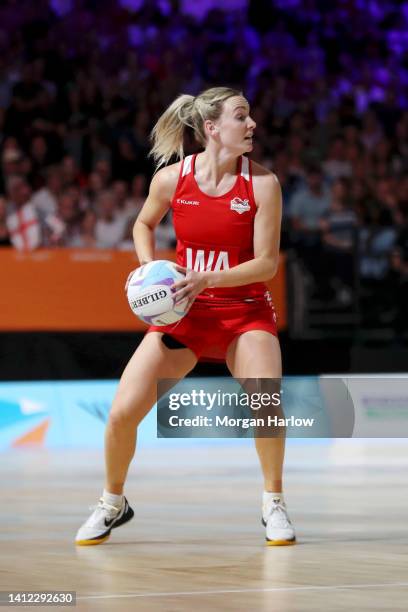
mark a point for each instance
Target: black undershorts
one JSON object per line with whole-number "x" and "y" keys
{"x": 171, "y": 342}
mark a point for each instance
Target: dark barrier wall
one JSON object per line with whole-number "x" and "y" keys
{"x": 76, "y": 356}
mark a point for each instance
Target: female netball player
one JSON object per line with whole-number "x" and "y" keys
{"x": 227, "y": 215}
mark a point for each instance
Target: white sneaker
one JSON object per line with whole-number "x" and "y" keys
{"x": 101, "y": 522}
{"x": 279, "y": 529}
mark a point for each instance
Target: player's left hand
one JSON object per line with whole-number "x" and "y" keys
{"x": 190, "y": 286}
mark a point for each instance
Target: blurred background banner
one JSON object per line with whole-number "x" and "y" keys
{"x": 81, "y": 290}
{"x": 57, "y": 414}
{"x": 60, "y": 415}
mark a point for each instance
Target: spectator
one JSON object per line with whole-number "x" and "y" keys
{"x": 46, "y": 199}
{"x": 69, "y": 214}
{"x": 387, "y": 195}
{"x": 11, "y": 162}
{"x": 137, "y": 195}
{"x": 309, "y": 203}
{"x": 22, "y": 220}
{"x": 307, "y": 208}
{"x": 110, "y": 227}
{"x": 86, "y": 238}
{"x": 95, "y": 186}
{"x": 70, "y": 172}
{"x": 124, "y": 209}
{"x": 376, "y": 242}
{"x": 289, "y": 182}
{"x": 339, "y": 226}
{"x": 336, "y": 165}
{"x": 104, "y": 170}
{"x": 127, "y": 242}
{"x": 79, "y": 196}
{"x": 40, "y": 159}
{"x": 296, "y": 153}
{"x": 5, "y": 239}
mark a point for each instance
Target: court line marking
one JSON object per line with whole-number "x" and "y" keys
{"x": 232, "y": 591}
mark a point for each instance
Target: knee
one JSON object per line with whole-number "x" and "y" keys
{"x": 122, "y": 417}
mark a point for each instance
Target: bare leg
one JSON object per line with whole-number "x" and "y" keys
{"x": 256, "y": 354}
{"x": 135, "y": 396}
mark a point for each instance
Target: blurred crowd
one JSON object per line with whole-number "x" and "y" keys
{"x": 82, "y": 82}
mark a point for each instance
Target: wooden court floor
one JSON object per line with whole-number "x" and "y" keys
{"x": 197, "y": 544}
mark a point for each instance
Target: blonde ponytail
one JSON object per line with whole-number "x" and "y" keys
{"x": 167, "y": 134}
{"x": 186, "y": 111}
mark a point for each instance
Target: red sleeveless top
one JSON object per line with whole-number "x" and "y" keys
{"x": 216, "y": 232}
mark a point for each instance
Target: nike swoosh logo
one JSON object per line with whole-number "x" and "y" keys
{"x": 109, "y": 523}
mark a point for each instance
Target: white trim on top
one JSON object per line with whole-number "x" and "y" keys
{"x": 245, "y": 168}
{"x": 187, "y": 165}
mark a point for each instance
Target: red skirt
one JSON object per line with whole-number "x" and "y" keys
{"x": 209, "y": 327}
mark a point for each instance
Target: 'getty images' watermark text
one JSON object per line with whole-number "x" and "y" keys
{"x": 207, "y": 400}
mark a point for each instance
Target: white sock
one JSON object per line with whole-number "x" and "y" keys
{"x": 268, "y": 496}
{"x": 112, "y": 499}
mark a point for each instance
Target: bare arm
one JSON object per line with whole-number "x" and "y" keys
{"x": 157, "y": 204}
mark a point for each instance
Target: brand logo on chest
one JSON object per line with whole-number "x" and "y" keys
{"x": 240, "y": 206}
{"x": 188, "y": 202}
